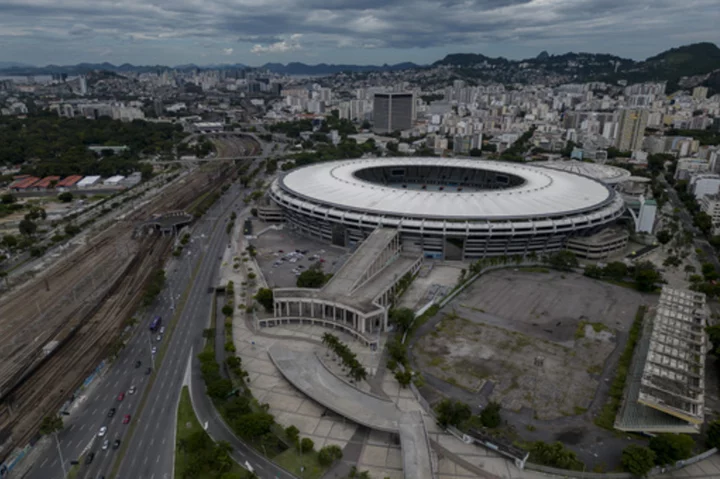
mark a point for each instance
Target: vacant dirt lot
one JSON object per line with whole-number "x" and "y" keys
{"x": 530, "y": 340}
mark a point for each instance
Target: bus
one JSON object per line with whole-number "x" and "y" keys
{"x": 155, "y": 324}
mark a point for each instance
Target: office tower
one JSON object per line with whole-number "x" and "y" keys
{"x": 631, "y": 130}
{"x": 83, "y": 86}
{"x": 393, "y": 111}
{"x": 700, "y": 93}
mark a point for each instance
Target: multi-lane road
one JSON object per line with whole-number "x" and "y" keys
{"x": 150, "y": 450}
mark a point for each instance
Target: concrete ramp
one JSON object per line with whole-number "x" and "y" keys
{"x": 305, "y": 371}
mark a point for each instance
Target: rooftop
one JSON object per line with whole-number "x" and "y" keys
{"x": 530, "y": 191}
{"x": 606, "y": 173}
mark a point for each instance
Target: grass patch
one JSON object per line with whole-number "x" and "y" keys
{"x": 595, "y": 369}
{"x": 187, "y": 426}
{"x": 597, "y": 327}
{"x": 437, "y": 361}
{"x": 606, "y": 418}
{"x": 577, "y": 410}
{"x": 291, "y": 461}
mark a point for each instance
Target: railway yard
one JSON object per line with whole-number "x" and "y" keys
{"x": 57, "y": 327}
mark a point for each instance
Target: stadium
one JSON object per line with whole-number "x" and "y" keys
{"x": 450, "y": 208}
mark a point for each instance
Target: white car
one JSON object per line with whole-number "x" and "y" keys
{"x": 162, "y": 329}
{"x": 154, "y": 349}
{"x": 106, "y": 444}
{"x": 132, "y": 390}
{"x": 102, "y": 431}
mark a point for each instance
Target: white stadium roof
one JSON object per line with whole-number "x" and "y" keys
{"x": 544, "y": 193}
{"x": 606, "y": 173}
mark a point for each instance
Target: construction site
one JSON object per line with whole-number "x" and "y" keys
{"x": 56, "y": 327}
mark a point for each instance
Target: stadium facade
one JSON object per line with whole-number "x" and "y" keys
{"x": 447, "y": 208}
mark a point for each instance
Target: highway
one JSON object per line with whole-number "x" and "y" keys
{"x": 154, "y": 428}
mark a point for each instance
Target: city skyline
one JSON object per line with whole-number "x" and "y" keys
{"x": 367, "y": 32}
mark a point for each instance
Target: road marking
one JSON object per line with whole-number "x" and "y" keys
{"x": 163, "y": 441}
{"x": 140, "y": 443}
{"x": 43, "y": 463}
{"x": 53, "y": 463}
{"x": 145, "y": 461}
{"x": 157, "y": 460}
{"x": 82, "y": 427}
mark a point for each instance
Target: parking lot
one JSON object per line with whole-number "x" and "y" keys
{"x": 284, "y": 255}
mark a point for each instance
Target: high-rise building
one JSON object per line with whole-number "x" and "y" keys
{"x": 393, "y": 111}
{"x": 631, "y": 130}
{"x": 83, "y": 86}
{"x": 700, "y": 93}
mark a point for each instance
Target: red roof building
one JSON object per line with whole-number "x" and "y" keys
{"x": 68, "y": 181}
{"x": 46, "y": 182}
{"x": 25, "y": 183}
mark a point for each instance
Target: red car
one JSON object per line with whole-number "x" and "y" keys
{"x": 121, "y": 396}
{"x": 126, "y": 419}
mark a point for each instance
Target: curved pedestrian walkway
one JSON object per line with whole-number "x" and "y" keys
{"x": 307, "y": 373}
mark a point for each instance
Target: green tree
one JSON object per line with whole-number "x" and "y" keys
{"x": 664, "y": 236}
{"x": 638, "y": 460}
{"x": 593, "y": 271}
{"x": 219, "y": 388}
{"x": 9, "y": 241}
{"x": 713, "y": 434}
{"x": 7, "y": 199}
{"x": 329, "y": 454}
{"x": 490, "y": 415}
{"x": 306, "y": 445}
{"x": 703, "y": 221}
{"x": 264, "y": 296}
{"x": 254, "y": 425}
{"x": 65, "y": 197}
{"x": 311, "y": 278}
{"x": 292, "y": 433}
{"x": 646, "y": 276}
{"x": 564, "y": 260}
{"x": 554, "y": 455}
{"x": 403, "y": 377}
{"x": 227, "y": 310}
{"x": 670, "y": 448}
{"x": 27, "y": 227}
{"x": 451, "y": 413}
{"x": 402, "y": 317}
{"x": 51, "y": 424}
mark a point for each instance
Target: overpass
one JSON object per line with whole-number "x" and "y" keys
{"x": 168, "y": 222}
{"x": 307, "y": 372}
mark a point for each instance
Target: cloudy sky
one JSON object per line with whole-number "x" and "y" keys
{"x": 253, "y": 32}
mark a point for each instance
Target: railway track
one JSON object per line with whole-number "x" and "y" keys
{"x": 82, "y": 303}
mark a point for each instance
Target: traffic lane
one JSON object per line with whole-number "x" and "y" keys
{"x": 198, "y": 290}
{"x": 74, "y": 440}
{"x": 165, "y": 424}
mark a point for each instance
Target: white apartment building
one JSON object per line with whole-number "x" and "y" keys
{"x": 704, "y": 184}
{"x": 710, "y": 204}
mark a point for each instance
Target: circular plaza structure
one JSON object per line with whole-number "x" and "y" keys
{"x": 446, "y": 208}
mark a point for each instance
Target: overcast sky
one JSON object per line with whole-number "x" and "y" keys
{"x": 253, "y": 32}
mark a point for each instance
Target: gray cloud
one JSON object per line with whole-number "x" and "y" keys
{"x": 266, "y": 27}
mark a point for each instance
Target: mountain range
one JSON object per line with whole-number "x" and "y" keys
{"x": 699, "y": 59}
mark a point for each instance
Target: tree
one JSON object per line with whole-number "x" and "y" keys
{"x": 670, "y": 448}
{"x": 403, "y": 377}
{"x": 638, "y": 460}
{"x": 554, "y": 455}
{"x": 714, "y": 336}
{"x": 220, "y": 388}
{"x": 593, "y": 271}
{"x": 490, "y": 416}
{"x": 7, "y": 199}
{"x": 402, "y": 317}
{"x": 689, "y": 269}
{"x": 311, "y": 278}
{"x": 306, "y": 445}
{"x": 475, "y": 152}
{"x": 329, "y": 454}
{"x": 704, "y": 222}
{"x": 264, "y": 296}
{"x": 713, "y": 434}
{"x": 27, "y": 227}
{"x": 646, "y": 276}
{"x": 564, "y": 260}
{"x": 65, "y": 197}
{"x": 51, "y": 424}
{"x": 664, "y": 236}
{"x": 451, "y": 413}
{"x": 253, "y": 425}
{"x": 292, "y": 433}
{"x": 227, "y": 310}
{"x": 10, "y": 241}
